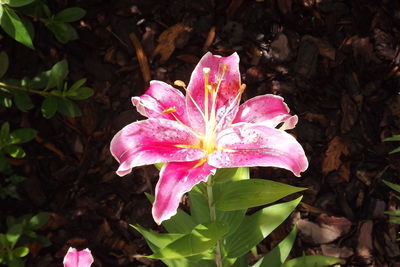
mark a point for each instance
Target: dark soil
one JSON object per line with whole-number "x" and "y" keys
{"x": 336, "y": 63}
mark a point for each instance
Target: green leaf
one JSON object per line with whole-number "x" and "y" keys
{"x": 157, "y": 241}
{"x": 70, "y": 14}
{"x": 22, "y": 135}
{"x": 3, "y": 63}
{"x": 181, "y": 223}
{"x": 49, "y": 107}
{"x": 393, "y": 186}
{"x": 15, "y": 151}
{"x": 202, "y": 238}
{"x": 231, "y": 174}
{"x": 23, "y": 101}
{"x": 19, "y": 3}
{"x": 78, "y": 84}
{"x": 14, "y": 233}
{"x": 392, "y": 138}
{"x": 249, "y": 193}
{"x": 80, "y": 94}
{"x": 201, "y": 214}
{"x": 16, "y": 262}
{"x": 68, "y": 108}
{"x": 38, "y": 220}
{"x": 4, "y": 133}
{"x": 14, "y": 26}
{"x": 63, "y": 32}
{"x": 5, "y": 102}
{"x": 256, "y": 227}
{"x": 313, "y": 261}
{"x": 277, "y": 256}
{"x": 397, "y": 150}
{"x": 21, "y": 251}
{"x": 159, "y": 165}
{"x": 57, "y": 74}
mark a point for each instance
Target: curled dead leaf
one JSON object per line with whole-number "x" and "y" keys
{"x": 167, "y": 41}
{"x": 336, "y": 148}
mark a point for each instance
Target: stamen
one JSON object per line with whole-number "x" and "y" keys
{"x": 206, "y": 91}
{"x": 180, "y": 84}
{"x": 237, "y": 97}
{"x": 187, "y": 127}
{"x": 185, "y": 146}
{"x": 201, "y": 162}
{"x": 169, "y": 110}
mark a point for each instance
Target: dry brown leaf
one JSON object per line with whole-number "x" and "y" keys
{"x": 142, "y": 58}
{"x": 314, "y": 117}
{"x": 210, "y": 39}
{"x": 166, "y": 41}
{"x": 335, "y": 251}
{"x": 325, "y": 49}
{"x": 329, "y": 229}
{"x": 349, "y": 113}
{"x": 336, "y": 148}
{"x": 364, "y": 245}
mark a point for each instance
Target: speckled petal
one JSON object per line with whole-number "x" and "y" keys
{"x": 227, "y": 100}
{"x": 158, "y": 98}
{"x": 153, "y": 141}
{"x": 247, "y": 144}
{"x": 268, "y": 109}
{"x": 75, "y": 258}
{"x": 177, "y": 178}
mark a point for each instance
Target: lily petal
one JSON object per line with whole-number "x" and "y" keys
{"x": 177, "y": 178}
{"x": 75, "y": 258}
{"x": 267, "y": 109}
{"x": 227, "y": 93}
{"x": 158, "y": 99}
{"x": 246, "y": 144}
{"x": 153, "y": 141}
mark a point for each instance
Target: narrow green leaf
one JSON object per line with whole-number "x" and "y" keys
{"x": 14, "y": 26}
{"x": 3, "y": 63}
{"x": 80, "y": 94}
{"x": 157, "y": 241}
{"x": 68, "y": 108}
{"x": 313, "y": 260}
{"x": 21, "y": 251}
{"x": 231, "y": 174}
{"x": 49, "y": 107}
{"x": 159, "y": 165}
{"x": 19, "y": 3}
{"x": 277, "y": 256}
{"x": 392, "y": 138}
{"x": 201, "y": 239}
{"x": 63, "y": 32}
{"x": 38, "y": 220}
{"x": 14, "y": 233}
{"x": 397, "y": 150}
{"x": 78, "y": 84}
{"x": 70, "y": 14}
{"x": 23, "y": 101}
{"x": 249, "y": 193}
{"x": 393, "y": 186}
{"x": 256, "y": 227}
{"x": 57, "y": 74}
{"x": 14, "y": 151}
{"x": 22, "y": 135}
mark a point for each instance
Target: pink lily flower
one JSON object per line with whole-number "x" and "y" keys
{"x": 75, "y": 258}
{"x": 204, "y": 131}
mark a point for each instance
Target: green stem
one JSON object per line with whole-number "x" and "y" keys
{"x": 213, "y": 218}
{"x": 23, "y": 89}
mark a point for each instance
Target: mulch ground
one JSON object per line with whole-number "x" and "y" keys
{"x": 336, "y": 63}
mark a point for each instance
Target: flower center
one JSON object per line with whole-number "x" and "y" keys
{"x": 210, "y": 116}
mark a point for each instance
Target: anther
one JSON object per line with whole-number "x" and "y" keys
{"x": 180, "y": 83}
{"x": 224, "y": 67}
{"x": 169, "y": 110}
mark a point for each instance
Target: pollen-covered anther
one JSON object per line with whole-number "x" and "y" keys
{"x": 169, "y": 110}
{"x": 180, "y": 83}
{"x": 224, "y": 67}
